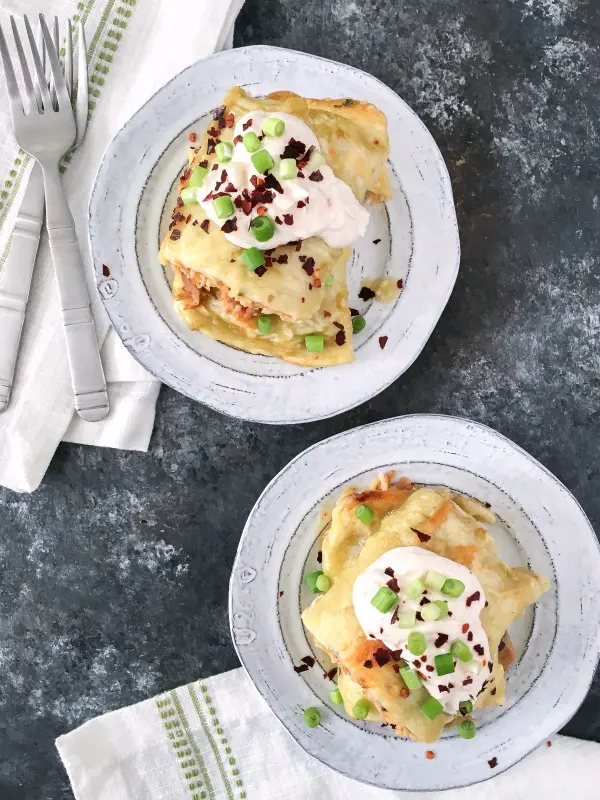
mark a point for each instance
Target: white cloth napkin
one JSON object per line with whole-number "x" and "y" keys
{"x": 217, "y": 740}
{"x": 135, "y": 48}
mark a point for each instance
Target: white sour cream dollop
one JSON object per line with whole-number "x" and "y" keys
{"x": 462, "y": 623}
{"x": 332, "y": 211}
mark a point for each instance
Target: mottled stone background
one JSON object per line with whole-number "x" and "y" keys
{"x": 113, "y": 578}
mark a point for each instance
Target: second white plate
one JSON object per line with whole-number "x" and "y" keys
{"x": 133, "y": 194}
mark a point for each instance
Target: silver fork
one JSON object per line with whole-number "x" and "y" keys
{"x": 47, "y": 131}
{"x": 15, "y": 279}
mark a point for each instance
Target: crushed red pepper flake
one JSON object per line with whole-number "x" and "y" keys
{"x": 502, "y": 645}
{"x": 260, "y": 271}
{"x": 214, "y": 132}
{"x": 229, "y": 120}
{"x": 319, "y": 556}
{"x": 175, "y": 234}
{"x": 472, "y": 598}
{"x": 394, "y": 618}
{"x": 382, "y": 656}
{"x": 467, "y": 680}
{"x": 332, "y": 673}
{"x": 442, "y": 638}
{"x": 396, "y": 667}
{"x": 105, "y": 271}
{"x": 389, "y": 572}
{"x": 424, "y": 601}
{"x": 470, "y": 636}
{"x": 493, "y": 762}
{"x": 443, "y": 688}
{"x": 430, "y": 754}
{"x": 368, "y": 664}
{"x": 376, "y": 241}
{"x": 300, "y": 204}
{"x": 221, "y": 122}
{"x": 179, "y": 202}
{"x": 281, "y": 594}
{"x": 186, "y": 173}
{"x": 366, "y": 293}
{"x": 218, "y": 112}
{"x": 247, "y": 124}
{"x": 478, "y": 649}
{"x": 308, "y": 660}
{"x": 393, "y": 582}
{"x": 382, "y": 343}
{"x": 400, "y": 283}
{"x": 419, "y": 616}
{"x": 548, "y": 743}
{"x": 272, "y": 183}
{"x": 429, "y": 668}
{"x": 339, "y": 325}
{"x": 316, "y": 176}
{"x": 326, "y": 313}
{"x": 354, "y": 312}
{"x": 417, "y": 662}
{"x": 404, "y": 693}
{"x": 288, "y": 219}
{"x": 465, "y": 627}
{"x": 423, "y": 537}
{"x": 493, "y": 692}
{"x": 301, "y": 668}
{"x": 237, "y": 139}
{"x": 192, "y": 137}
{"x": 210, "y": 147}
{"x": 229, "y": 225}
{"x": 309, "y": 265}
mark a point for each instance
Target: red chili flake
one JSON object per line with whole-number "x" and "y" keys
{"x": 310, "y": 286}
{"x": 467, "y": 680}
{"x": 423, "y": 658}
{"x": 271, "y": 182}
{"x": 218, "y": 112}
{"x": 316, "y": 176}
{"x": 300, "y": 204}
{"x": 486, "y": 604}
{"x": 339, "y": 325}
{"x": 478, "y": 649}
{"x": 260, "y": 271}
{"x": 424, "y": 601}
{"x": 475, "y": 596}
{"x": 210, "y": 147}
{"x": 261, "y": 210}
{"x": 400, "y": 283}
{"x": 392, "y": 583}
{"x": 302, "y": 162}
{"x": 192, "y": 137}
{"x": 493, "y": 692}
{"x": 179, "y": 202}
{"x": 303, "y": 300}
{"x": 105, "y": 271}
{"x": 389, "y": 572}
{"x": 229, "y": 120}
{"x": 396, "y": 667}
{"x": 368, "y": 664}
{"x": 229, "y": 225}
{"x": 443, "y": 688}
{"x": 195, "y": 222}
{"x": 430, "y": 754}
{"x": 214, "y": 167}
{"x": 298, "y": 246}
{"x": 442, "y": 638}
{"x": 382, "y": 656}
{"x": 470, "y": 636}
{"x": 317, "y": 283}
{"x": 493, "y": 762}
{"x": 288, "y": 219}
{"x": 301, "y": 668}
{"x": 417, "y": 663}
{"x": 501, "y": 646}
{"x": 214, "y": 132}
{"x": 366, "y": 293}
{"x": 186, "y": 173}
{"x": 268, "y": 261}
{"x": 395, "y": 613}
{"x": 175, "y": 234}
{"x": 465, "y": 627}
{"x": 423, "y": 537}
{"x": 372, "y": 635}
{"x": 230, "y": 188}
{"x": 309, "y": 265}
{"x": 404, "y": 693}
{"x": 278, "y": 220}
{"x": 380, "y": 630}
{"x": 221, "y": 122}
{"x": 382, "y": 343}
{"x": 376, "y": 241}
{"x": 419, "y": 616}
{"x": 247, "y": 125}
{"x": 283, "y": 259}
{"x": 429, "y": 668}
{"x": 548, "y": 743}
{"x": 308, "y": 660}
{"x": 302, "y": 258}
{"x": 300, "y": 175}
{"x": 280, "y": 594}
{"x": 293, "y": 149}
{"x": 491, "y": 666}
{"x": 397, "y": 654}
{"x": 451, "y": 686}
{"x": 332, "y": 673}
{"x": 484, "y": 662}
{"x": 354, "y": 312}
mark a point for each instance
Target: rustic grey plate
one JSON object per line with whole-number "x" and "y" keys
{"x": 133, "y": 197}
{"x": 540, "y": 525}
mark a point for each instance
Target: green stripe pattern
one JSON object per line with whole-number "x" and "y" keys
{"x": 101, "y": 51}
{"x": 185, "y": 747}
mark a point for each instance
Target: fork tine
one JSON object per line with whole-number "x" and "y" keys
{"x": 59, "y": 81}
{"x": 14, "y": 95}
{"x": 47, "y": 102}
{"x": 36, "y": 83}
{"x": 29, "y": 90}
{"x": 55, "y": 38}
{"x": 69, "y": 61}
{"x": 81, "y": 106}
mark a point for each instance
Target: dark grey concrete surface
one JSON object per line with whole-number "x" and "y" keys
{"x": 113, "y": 578}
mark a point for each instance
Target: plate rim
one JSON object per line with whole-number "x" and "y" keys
{"x": 452, "y": 260}
{"x": 422, "y": 416}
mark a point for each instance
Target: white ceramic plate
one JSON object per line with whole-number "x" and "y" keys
{"x": 540, "y": 525}
{"x": 133, "y": 197}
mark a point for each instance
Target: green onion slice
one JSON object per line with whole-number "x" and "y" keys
{"x": 253, "y": 259}
{"x": 198, "y": 176}
{"x": 262, "y": 161}
{"x": 474, "y": 666}
{"x": 416, "y": 643}
{"x": 466, "y": 729}
{"x": 432, "y": 708}
{"x": 273, "y": 126}
{"x": 466, "y": 707}
{"x": 324, "y": 583}
{"x": 407, "y": 619}
{"x": 461, "y": 651}
{"x": 314, "y": 342}
{"x": 189, "y": 195}
{"x": 312, "y": 717}
{"x": 311, "y": 581}
{"x": 358, "y": 323}
{"x": 415, "y": 589}
{"x": 431, "y": 612}
{"x": 263, "y": 323}
{"x": 224, "y": 152}
{"x": 453, "y": 587}
{"x": 364, "y": 514}
{"x": 262, "y": 228}
{"x": 336, "y": 697}
{"x": 223, "y": 206}
{"x": 443, "y": 607}
{"x": 288, "y": 168}
{"x": 435, "y": 580}
{"x": 251, "y": 142}
{"x": 411, "y": 678}
{"x": 384, "y": 599}
{"x": 444, "y": 664}
{"x": 361, "y": 708}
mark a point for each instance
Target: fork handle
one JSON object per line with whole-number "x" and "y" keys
{"x": 15, "y": 280}
{"x": 87, "y": 375}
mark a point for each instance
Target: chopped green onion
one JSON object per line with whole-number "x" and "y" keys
{"x": 411, "y": 678}
{"x": 197, "y": 177}
{"x": 189, "y": 195}
{"x": 251, "y": 142}
{"x": 443, "y": 607}
{"x": 324, "y": 583}
{"x": 263, "y": 323}
{"x": 358, "y": 323}
{"x": 416, "y": 643}
{"x": 466, "y": 729}
{"x": 273, "y": 126}
{"x": 314, "y": 342}
{"x": 474, "y": 666}
{"x": 312, "y": 717}
{"x": 311, "y": 581}
{"x": 415, "y": 589}
{"x": 453, "y": 587}
{"x": 262, "y": 161}
{"x": 432, "y": 708}
{"x": 407, "y": 619}
{"x": 288, "y": 168}
{"x": 461, "y": 651}
{"x": 253, "y": 258}
{"x": 384, "y": 599}
{"x": 315, "y": 161}
{"x": 224, "y": 152}
{"x": 364, "y": 514}
{"x": 444, "y": 664}
{"x": 262, "y": 228}
{"x": 435, "y": 580}
{"x": 223, "y": 206}
{"x": 329, "y": 281}
{"x": 336, "y": 697}
{"x": 431, "y": 612}
{"x": 465, "y": 707}
{"x": 361, "y": 708}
